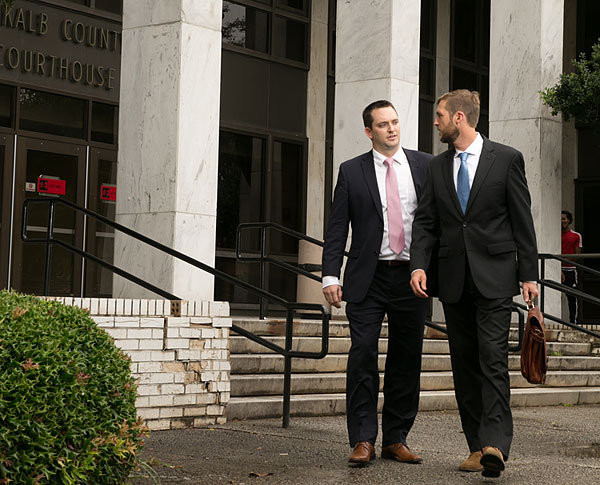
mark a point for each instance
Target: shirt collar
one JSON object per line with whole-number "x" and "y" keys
{"x": 399, "y": 157}
{"x": 474, "y": 148}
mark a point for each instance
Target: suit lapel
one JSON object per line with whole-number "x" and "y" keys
{"x": 368, "y": 166}
{"x": 486, "y": 160}
{"x": 448, "y": 174}
{"x": 414, "y": 171}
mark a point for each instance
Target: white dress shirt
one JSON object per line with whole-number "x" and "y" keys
{"x": 474, "y": 151}
{"x": 408, "y": 201}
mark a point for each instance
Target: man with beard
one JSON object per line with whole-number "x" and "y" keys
{"x": 377, "y": 193}
{"x": 476, "y": 206}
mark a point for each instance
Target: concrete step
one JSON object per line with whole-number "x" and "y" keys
{"x": 331, "y": 404}
{"x": 273, "y": 363}
{"x": 341, "y": 345}
{"x": 308, "y": 328}
{"x": 337, "y": 345}
{"x": 302, "y": 328}
{"x": 326, "y": 383}
{"x": 340, "y": 328}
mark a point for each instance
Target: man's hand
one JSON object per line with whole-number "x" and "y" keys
{"x": 333, "y": 295}
{"x": 530, "y": 291}
{"x": 418, "y": 283}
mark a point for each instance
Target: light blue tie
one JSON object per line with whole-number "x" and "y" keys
{"x": 462, "y": 182}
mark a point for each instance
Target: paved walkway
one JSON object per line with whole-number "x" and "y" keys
{"x": 552, "y": 445}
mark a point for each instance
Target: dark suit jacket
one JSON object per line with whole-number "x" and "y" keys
{"x": 496, "y": 234}
{"x": 357, "y": 202}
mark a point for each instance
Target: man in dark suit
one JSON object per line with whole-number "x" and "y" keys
{"x": 376, "y": 193}
{"x": 476, "y": 205}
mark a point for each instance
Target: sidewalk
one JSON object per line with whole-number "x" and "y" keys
{"x": 558, "y": 445}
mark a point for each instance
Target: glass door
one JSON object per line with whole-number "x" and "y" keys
{"x": 6, "y": 158}
{"x": 102, "y": 198}
{"x": 260, "y": 179}
{"x": 48, "y": 169}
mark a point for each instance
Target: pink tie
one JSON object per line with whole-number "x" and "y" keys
{"x": 394, "y": 209}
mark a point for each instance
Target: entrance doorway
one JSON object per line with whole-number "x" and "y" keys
{"x": 64, "y": 165}
{"x": 81, "y": 174}
{"x": 6, "y": 170}
{"x": 261, "y": 178}
{"x": 102, "y": 183}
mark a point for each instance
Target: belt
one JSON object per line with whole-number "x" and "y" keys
{"x": 392, "y": 262}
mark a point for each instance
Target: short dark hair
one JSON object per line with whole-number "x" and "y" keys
{"x": 569, "y": 215}
{"x": 367, "y": 113}
{"x": 465, "y": 101}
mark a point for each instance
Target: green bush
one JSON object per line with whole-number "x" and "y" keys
{"x": 67, "y": 398}
{"x": 577, "y": 94}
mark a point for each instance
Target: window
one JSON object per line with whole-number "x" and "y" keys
{"x": 260, "y": 179}
{"x": 427, "y": 74}
{"x": 112, "y": 6}
{"x": 52, "y": 113}
{"x": 7, "y": 96}
{"x": 104, "y": 123}
{"x": 290, "y": 39}
{"x": 278, "y": 28}
{"x": 296, "y": 5}
{"x": 328, "y": 182}
{"x": 470, "y": 52}
{"x": 245, "y": 27}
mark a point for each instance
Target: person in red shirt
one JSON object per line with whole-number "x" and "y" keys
{"x": 571, "y": 244}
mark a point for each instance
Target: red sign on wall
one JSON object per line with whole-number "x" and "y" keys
{"x": 108, "y": 192}
{"x": 51, "y": 186}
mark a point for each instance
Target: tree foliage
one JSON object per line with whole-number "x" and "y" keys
{"x": 577, "y": 94}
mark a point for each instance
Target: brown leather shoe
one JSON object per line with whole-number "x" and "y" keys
{"x": 472, "y": 464}
{"x": 400, "y": 452}
{"x": 492, "y": 461}
{"x": 363, "y": 453}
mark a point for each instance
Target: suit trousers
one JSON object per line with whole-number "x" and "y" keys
{"x": 390, "y": 294}
{"x": 478, "y": 330}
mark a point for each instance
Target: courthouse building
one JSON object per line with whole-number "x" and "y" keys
{"x": 183, "y": 118}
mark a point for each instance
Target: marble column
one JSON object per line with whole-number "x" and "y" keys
{"x": 526, "y": 52}
{"x": 168, "y": 142}
{"x": 316, "y": 109}
{"x": 377, "y": 57}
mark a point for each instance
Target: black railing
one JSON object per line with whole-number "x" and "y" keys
{"x": 290, "y": 307}
{"x": 544, "y": 283}
{"x": 263, "y": 258}
{"x": 304, "y": 269}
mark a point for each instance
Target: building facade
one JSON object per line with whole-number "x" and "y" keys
{"x": 182, "y": 119}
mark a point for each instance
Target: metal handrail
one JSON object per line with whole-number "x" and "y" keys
{"x": 264, "y": 259}
{"x": 563, "y": 322}
{"x": 546, "y": 283}
{"x": 290, "y": 307}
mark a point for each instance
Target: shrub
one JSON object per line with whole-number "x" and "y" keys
{"x": 577, "y": 94}
{"x": 67, "y": 397}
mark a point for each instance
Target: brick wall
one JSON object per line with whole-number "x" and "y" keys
{"x": 179, "y": 355}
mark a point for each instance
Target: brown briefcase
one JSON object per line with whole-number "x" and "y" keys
{"x": 534, "y": 359}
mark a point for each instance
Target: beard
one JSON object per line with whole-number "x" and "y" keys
{"x": 449, "y": 136}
